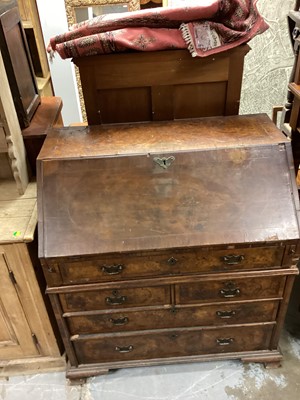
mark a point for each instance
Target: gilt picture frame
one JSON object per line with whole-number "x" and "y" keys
{"x": 71, "y": 5}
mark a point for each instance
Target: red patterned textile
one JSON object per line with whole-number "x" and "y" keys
{"x": 210, "y": 27}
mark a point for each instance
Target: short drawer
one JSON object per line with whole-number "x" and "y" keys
{"x": 172, "y": 317}
{"x": 174, "y": 343}
{"x": 230, "y": 289}
{"x": 115, "y": 298}
{"x": 168, "y": 263}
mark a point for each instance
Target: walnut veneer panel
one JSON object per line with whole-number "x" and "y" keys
{"x": 129, "y": 139}
{"x": 243, "y": 198}
{"x": 114, "y": 298}
{"x": 226, "y": 290}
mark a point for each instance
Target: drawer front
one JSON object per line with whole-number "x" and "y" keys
{"x": 115, "y": 298}
{"x": 238, "y": 313}
{"x": 173, "y": 343}
{"x": 169, "y": 263}
{"x": 235, "y": 289}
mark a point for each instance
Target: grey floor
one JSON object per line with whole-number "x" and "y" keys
{"x": 196, "y": 381}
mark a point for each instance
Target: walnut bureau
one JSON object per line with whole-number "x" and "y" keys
{"x": 168, "y": 242}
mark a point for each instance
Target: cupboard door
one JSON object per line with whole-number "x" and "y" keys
{"x": 16, "y": 340}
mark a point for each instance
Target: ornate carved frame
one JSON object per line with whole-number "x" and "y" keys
{"x": 70, "y": 4}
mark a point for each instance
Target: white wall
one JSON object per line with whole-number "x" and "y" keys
{"x": 54, "y": 21}
{"x": 268, "y": 65}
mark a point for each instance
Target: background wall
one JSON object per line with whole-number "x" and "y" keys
{"x": 269, "y": 63}
{"x": 54, "y": 21}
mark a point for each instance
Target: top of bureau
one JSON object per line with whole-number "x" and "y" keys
{"x": 180, "y": 135}
{"x": 146, "y": 186}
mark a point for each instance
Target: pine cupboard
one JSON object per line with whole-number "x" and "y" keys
{"x": 27, "y": 338}
{"x": 168, "y": 242}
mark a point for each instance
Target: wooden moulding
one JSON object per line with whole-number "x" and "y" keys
{"x": 30, "y": 366}
{"x": 80, "y": 373}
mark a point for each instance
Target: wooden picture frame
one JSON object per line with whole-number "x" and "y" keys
{"x": 72, "y": 4}
{"x": 70, "y": 12}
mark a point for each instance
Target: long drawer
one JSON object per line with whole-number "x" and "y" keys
{"x": 172, "y": 317}
{"x": 115, "y": 298}
{"x": 193, "y": 261}
{"x": 172, "y": 343}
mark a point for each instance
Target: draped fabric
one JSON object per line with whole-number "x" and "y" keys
{"x": 210, "y": 27}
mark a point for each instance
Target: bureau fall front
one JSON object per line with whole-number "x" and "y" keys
{"x": 168, "y": 242}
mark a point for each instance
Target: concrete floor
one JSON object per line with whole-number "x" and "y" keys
{"x": 196, "y": 381}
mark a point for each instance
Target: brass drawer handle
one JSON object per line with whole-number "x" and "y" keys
{"x": 230, "y": 292}
{"x": 224, "y": 341}
{"x": 115, "y": 301}
{"x": 125, "y": 349}
{"x": 119, "y": 321}
{"x": 232, "y": 259}
{"x": 113, "y": 269}
{"x": 226, "y": 314}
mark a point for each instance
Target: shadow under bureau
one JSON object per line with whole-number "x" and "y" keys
{"x": 168, "y": 242}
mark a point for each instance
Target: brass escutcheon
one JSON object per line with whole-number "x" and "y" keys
{"x": 164, "y": 162}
